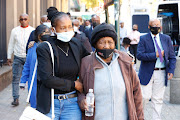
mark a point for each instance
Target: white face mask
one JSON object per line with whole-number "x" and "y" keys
{"x": 64, "y": 36}
{"x": 48, "y": 24}
{"x": 76, "y": 29}
{"x": 87, "y": 27}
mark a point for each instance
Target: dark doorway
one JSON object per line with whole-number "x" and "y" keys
{"x": 142, "y": 22}
{"x": 3, "y": 51}
{"x": 169, "y": 15}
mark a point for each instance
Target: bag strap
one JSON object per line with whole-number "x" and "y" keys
{"x": 52, "y": 90}
{"x": 32, "y": 81}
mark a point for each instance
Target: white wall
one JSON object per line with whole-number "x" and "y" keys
{"x": 125, "y": 14}
{"x": 128, "y": 6}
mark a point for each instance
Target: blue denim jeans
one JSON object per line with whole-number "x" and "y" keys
{"x": 67, "y": 109}
{"x": 17, "y": 68}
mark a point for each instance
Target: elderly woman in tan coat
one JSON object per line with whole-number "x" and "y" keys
{"x": 110, "y": 74}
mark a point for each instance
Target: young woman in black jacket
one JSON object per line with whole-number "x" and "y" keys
{"x": 68, "y": 53}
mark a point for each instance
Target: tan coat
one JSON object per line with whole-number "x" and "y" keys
{"x": 133, "y": 90}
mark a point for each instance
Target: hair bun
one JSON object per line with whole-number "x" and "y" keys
{"x": 51, "y": 9}
{"x": 51, "y": 14}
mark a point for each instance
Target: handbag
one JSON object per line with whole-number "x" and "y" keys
{"x": 30, "y": 113}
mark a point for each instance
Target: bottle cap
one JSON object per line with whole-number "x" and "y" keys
{"x": 91, "y": 90}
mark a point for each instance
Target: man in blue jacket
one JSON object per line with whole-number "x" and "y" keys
{"x": 95, "y": 22}
{"x": 157, "y": 57}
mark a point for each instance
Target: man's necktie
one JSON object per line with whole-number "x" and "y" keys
{"x": 159, "y": 50}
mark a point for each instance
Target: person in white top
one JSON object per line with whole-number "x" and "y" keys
{"x": 123, "y": 31}
{"x": 17, "y": 45}
{"x": 134, "y": 36}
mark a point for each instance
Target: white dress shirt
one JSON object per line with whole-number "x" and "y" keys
{"x": 134, "y": 36}
{"x": 18, "y": 40}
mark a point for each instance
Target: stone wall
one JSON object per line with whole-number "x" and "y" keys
{"x": 5, "y": 76}
{"x": 175, "y": 84}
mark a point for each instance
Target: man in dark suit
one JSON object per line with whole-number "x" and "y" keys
{"x": 80, "y": 35}
{"x": 85, "y": 26}
{"x": 95, "y": 22}
{"x": 157, "y": 66}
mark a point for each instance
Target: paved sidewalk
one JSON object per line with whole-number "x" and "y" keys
{"x": 7, "y": 112}
{"x": 169, "y": 111}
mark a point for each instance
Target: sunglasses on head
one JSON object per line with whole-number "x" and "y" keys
{"x": 23, "y": 19}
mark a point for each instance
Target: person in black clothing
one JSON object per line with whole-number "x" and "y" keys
{"x": 81, "y": 36}
{"x": 32, "y": 36}
{"x": 95, "y": 22}
{"x": 68, "y": 52}
{"x": 88, "y": 32}
{"x": 85, "y": 25}
{"x": 44, "y": 19}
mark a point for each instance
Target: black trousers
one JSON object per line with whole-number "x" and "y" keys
{"x": 133, "y": 50}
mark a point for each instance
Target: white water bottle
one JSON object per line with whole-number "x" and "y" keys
{"x": 90, "y": 103}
